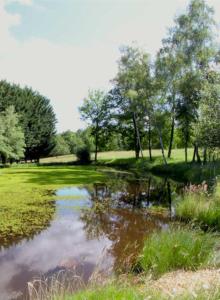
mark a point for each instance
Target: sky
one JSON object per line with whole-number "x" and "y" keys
{"x": 63, "y": 48}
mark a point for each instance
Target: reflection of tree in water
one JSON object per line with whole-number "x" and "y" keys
{"x": 135, "y": 192}
{"x": 125, "y": 226}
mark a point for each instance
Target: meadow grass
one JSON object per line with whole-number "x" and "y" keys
{"x": 26, "y": 196}
{"x": 201, "y": 209}
{"x": 176, "y": 167}
{"x": 174, "y": 249}
{"x": 58, "y": 159}
{"x": 111, "y": 156}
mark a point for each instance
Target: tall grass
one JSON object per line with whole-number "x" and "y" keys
{"x": 177, "y": 249}
{"x": 201, "y": 209}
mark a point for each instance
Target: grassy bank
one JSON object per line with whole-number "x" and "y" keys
{"x": 176, "y": 167}
{"x": 176, "y": 249}
{"x": 200, "y": 208}
{"x": 111, "y": 292}
{"x": 26, "y": 195}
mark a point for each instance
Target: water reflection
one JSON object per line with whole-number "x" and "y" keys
{"x": 107, "y": 217}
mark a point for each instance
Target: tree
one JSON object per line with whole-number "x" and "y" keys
{"x": 133, "y": 84}
{"x": 167, "y": 72}
{"x": 192, "y": 41}
{"x": 188, "y": 104}
{"x": 95, "y": 111}
{"x": 36, "y": 117}
{"x": 61, "y": 146}
{"x": 207, "y": 130}
{"x": 12, "y": 142}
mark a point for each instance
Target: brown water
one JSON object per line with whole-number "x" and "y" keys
{"x": 98, "y": 225}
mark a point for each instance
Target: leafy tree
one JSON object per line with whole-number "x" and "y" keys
{"x": 207, "y": 130}
{"x": 12, "y": 142}
{"x": 61, "y": 146}
{"x": 167, "y": 73}
{"x": 192, "y": 42}
{"x": 36, "y": 117}
{"x": 132, "y": 93}
{"x": 95, "y": 110}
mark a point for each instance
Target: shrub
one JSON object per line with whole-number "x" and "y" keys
{"x": 83, "y": 155}
{"x": 177, "y": 249}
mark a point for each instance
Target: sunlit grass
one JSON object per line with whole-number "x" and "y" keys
{"x": 200, "y": 209}
{"x": 177, "y": 156}
{"x": 175, "y": 249}
{"x": 111, "y": 292}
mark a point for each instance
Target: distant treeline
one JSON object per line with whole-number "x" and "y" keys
{"x": 70, "y": 142}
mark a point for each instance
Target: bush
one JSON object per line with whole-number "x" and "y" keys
{"x": 83, "y": 155}
{"x": 177, "y": 249}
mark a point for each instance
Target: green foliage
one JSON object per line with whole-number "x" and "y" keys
{"x": 95, "y": 110}
{"x": 83, "y": 155}
{"x": 207, "y": 130}
{"x": 175, "y": 249}
{"x": 61, "y": 146}
{"x": 36, "y": 117}
{"x": 201, "y": 209}
{"x": 184, "y": 62}
{"x": 131, "y": 96}
{"x": 12, "y": 142}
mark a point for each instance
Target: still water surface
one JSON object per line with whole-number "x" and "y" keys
{"x": 101, "y": 220}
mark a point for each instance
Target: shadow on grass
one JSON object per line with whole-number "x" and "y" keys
{"x": 179, "y": 171}
{"x": 132, "y": 162}
{"x": 189, "y": 172}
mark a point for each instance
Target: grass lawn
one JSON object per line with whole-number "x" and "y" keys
{"x": 176, "y": 167}
{"x": 111, "y": 156}
{"x": 25, "y": 196}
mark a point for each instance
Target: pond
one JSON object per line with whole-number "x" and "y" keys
{"x": 99, "y": 226}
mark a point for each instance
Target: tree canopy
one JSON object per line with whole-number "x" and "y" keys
{"x": 36, "y": 118}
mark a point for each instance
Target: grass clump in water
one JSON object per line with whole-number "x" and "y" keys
{"x": 175, "y": 249}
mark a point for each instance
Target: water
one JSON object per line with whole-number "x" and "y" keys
{"x": 99, "y": 224}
